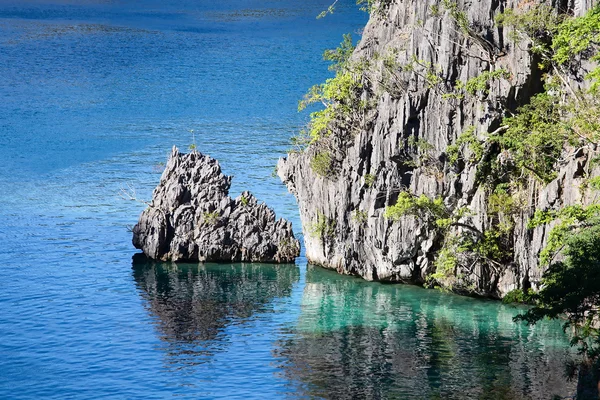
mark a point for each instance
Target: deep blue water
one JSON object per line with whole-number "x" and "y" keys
{"x": 93, "y": 94}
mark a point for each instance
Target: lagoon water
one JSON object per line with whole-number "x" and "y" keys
{"x": 92, "y": 96}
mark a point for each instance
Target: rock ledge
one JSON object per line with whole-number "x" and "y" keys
{"x": 192, "y": 218}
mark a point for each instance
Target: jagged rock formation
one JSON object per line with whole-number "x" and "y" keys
{"x": 371, "y": 167}
{"x": 192, "y": 218}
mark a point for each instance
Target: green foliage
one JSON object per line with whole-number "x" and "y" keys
{"x": 558, "y": 38}
{"x": 446, "y": 265}
{"x": 360, "y": 217}
{"x": 539, "y": 23}
{"x": 569, "y": 219}
{"x": 539, "y": 132}
{"x": 421, "y": 207}
{"x": 460, "y": 17}
{"x": 192, "y": 147}
{"x": 460, "y": 251}
{"x": 576, "y": 36}
{"x": 299, "y": 142}
{"x": 536, "y": 136}
{"x": 339, "y": 95}
{"x": 519, "y": 296}
{"x": 371, "y": 6}
{"x": 340, "y": 56}
{"x": 211, "y": 218}
{"x": 501, "y": 201}
{"x": 374, "y": 6}
{"x": 478, "y": 85}
{"x": 594, "y": 183}
{"x": 369, "y": 180}
{"x": 594, "y": 78}
{"x": 469, "y": 139}
{"x": 244, "y": 201}
{"x": 571, "y": 288}
{"x": 322, "y": 164}
{"x": 481, "y": 83}
{"x": 490, "y": 246}
{"x": 323, "y": 228}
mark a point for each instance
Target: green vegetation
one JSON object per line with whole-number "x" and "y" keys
{"x": 369, "y": 180}
{"x": 519, "y": 296}
{"x": 467, "y": 140}
{"x": 244, "y": 201}
{"x": 340, "y": 56}
{"x": 322, "y": 164}
{"x": 570, "y": 288}
{"x": 323, "y": 228}
{"x": 563, "y": 115}
{"x": 211, "y": 218}
{"x": 536, "y": 140}
{"x": 478, "y": 85}
{"x": 569, "y": 219}
{"x": 192, "y": 147}
{"x": 536, "y": 136}
{"x": 531, "y": 142}
{"x": 340, "y": 95}
{"x": 371, "y": 6}
{"x": 421, "y": 207}
{"x": 359, "y": 217}
{"x": 460, "y": 252}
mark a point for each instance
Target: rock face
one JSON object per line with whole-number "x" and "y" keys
{"x": 370, "y": 164}
{"x": 192, "y": 218}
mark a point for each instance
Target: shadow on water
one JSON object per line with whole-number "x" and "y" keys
{"x": 356, "y": 339}
{"x": 195, "y": 303}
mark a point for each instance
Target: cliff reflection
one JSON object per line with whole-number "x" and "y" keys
{"x": 193, "y": 304}
{"x": 356, "y": 339}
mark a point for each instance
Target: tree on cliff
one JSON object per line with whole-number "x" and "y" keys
{"x": 571, "y": 288}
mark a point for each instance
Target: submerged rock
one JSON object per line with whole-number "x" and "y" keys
{"x": 191, "y": 217}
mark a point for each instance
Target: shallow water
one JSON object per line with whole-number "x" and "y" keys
{"x": 92, "y": 96}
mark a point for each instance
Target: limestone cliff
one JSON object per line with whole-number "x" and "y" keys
{"x": 371, "y": 168}
{"x": 192, "y": 218}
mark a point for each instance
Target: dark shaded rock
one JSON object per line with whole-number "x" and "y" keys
{"x": 191, "y": 217}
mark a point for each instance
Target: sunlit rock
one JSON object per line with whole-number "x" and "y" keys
{"x": 191, "y": 217}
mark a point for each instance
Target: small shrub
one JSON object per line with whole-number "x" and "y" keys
{"x": 469, "y": 139}
{"x": 446, "y": 265}
{"x": 322, "y": 164}
{"x": 323, "y": 227}
{"x": 518, "y": 296}
{"x": 360, "y": 217}
{"x": 421, "y": 207}
{"x": 210, "y": 218}
{"x": 369, "y": 180}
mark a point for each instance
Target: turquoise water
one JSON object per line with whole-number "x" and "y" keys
{"x": 92, "y": 96}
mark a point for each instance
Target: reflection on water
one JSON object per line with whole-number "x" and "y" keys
{"x": 194, "y": 303}
{"x": 365, "y": 340}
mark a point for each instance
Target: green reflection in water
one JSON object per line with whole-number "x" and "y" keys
{"x": 368, "y": 340}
